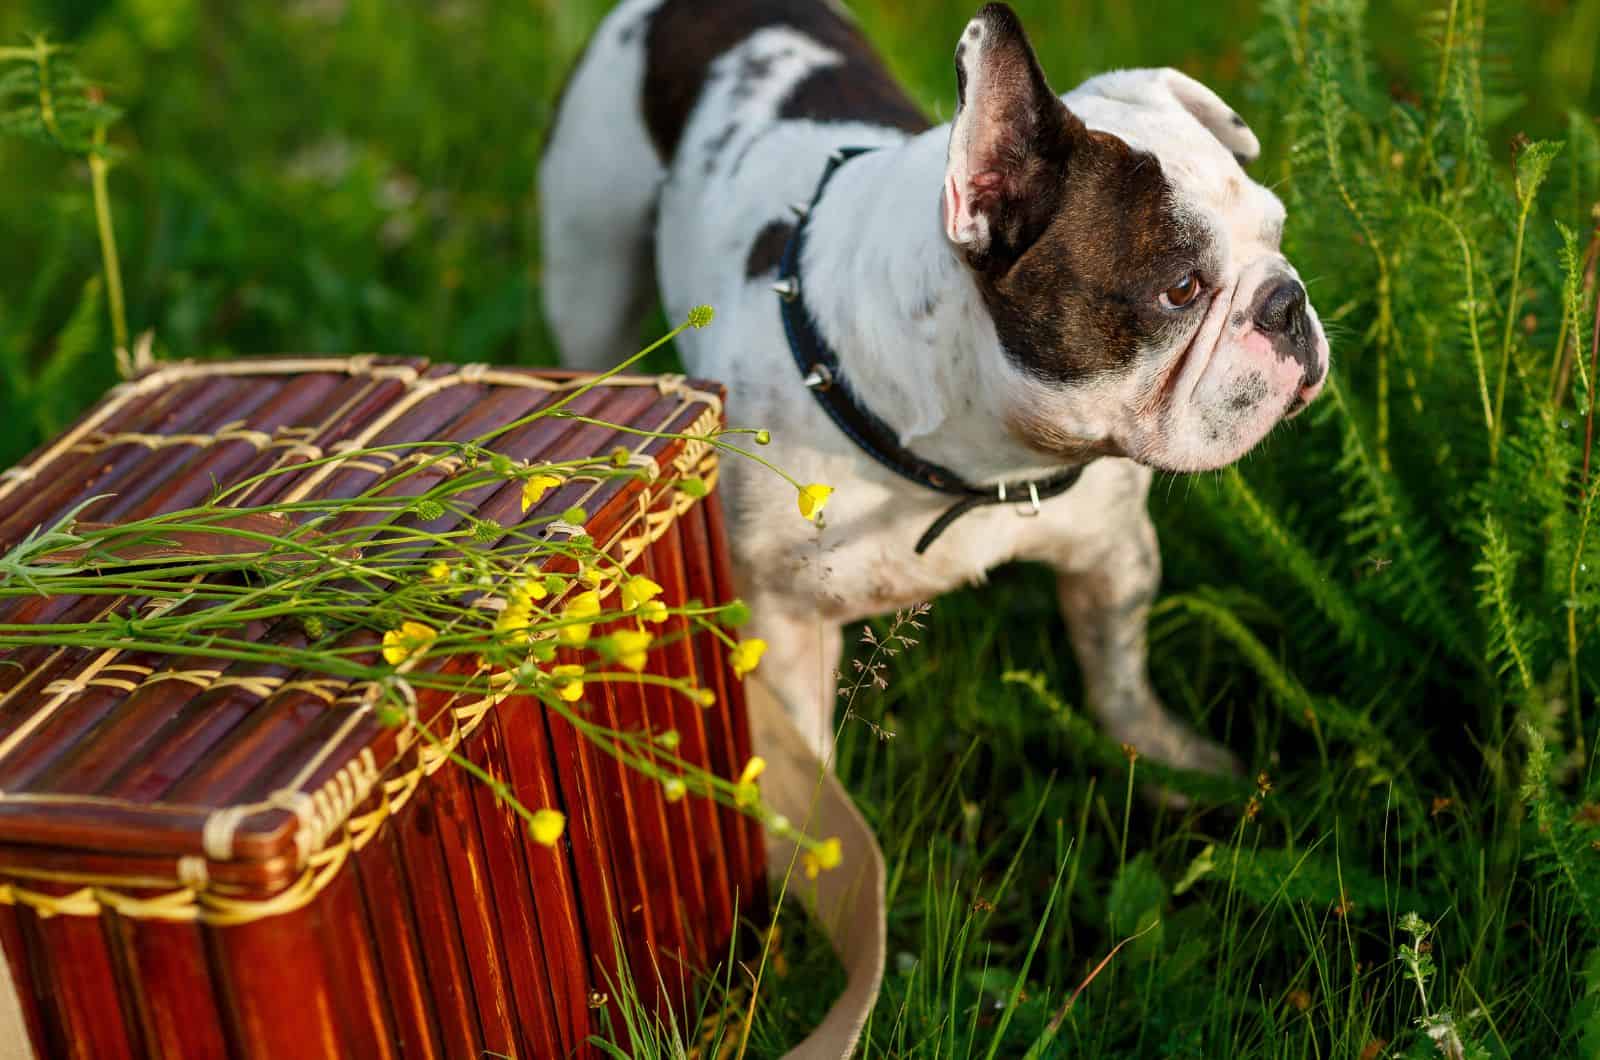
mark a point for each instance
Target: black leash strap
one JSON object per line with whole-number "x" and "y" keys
{"x": 824, "y": 377}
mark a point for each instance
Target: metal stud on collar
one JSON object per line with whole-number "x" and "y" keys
{"x": 819, "y": 378}
{"x": 799, "y": 209}
{"x": 787, "y": 288}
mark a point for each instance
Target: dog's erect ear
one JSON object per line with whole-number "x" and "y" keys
{"x": 1166, "y": 87}
{"x": 1009, "y": 143}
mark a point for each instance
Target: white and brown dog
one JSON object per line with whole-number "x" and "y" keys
{"x": 1043, "y": 283}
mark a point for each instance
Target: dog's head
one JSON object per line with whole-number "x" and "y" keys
{"x": 1131, "y": 267}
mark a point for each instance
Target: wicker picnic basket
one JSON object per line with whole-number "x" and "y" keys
{"x": 200, "y": 859}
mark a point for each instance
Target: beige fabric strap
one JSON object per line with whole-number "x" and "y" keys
{"x": 14, "y": 1043}
{"x": 849, "y": 899}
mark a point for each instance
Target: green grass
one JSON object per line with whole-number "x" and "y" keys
{"x": 1373, "y": 612}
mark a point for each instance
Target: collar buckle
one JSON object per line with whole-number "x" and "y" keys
{"x": 1034, "y": 508}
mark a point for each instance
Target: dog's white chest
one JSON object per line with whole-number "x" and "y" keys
{"x": 862, "y": 560}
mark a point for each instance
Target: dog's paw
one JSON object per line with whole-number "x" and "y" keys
{"x": 1158, "y": 735}
{"x": 1155, "y": 733}
{"x": 1206, "y": 756}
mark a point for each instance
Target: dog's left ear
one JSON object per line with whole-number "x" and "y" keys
{"x": 1010, "y": 143}
{"x": 1168, "y": 87}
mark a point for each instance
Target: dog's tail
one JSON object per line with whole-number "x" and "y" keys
{"x": 599, "y": 179}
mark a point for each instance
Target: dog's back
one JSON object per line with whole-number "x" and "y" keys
{"x": 682, "y": 90}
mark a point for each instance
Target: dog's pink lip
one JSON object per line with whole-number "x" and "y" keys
{"x": 1304, "y": 396}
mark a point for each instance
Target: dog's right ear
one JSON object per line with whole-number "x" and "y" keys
{"x": 1166, "y": 86}
{"x": 1009, "y": 143}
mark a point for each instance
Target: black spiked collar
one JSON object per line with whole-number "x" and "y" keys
{"x": 819, "y": 366}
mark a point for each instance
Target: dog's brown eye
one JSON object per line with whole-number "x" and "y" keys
{"x": 1181, "y": 293}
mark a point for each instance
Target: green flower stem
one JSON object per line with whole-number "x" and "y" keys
{"x": 715, "y": 440}
{"x": 99, "y": 166}
{"x": 612, "y": 742}
{"x": 769, "y": 465}
{"x": 1513, "y": 303}
{"x": 1574, "y": 672}
{"x": 1472, "y": 318}
{"x": 40, "y": 55}
{"x": 598, "y": 380}
{"x": 716, "y": 631}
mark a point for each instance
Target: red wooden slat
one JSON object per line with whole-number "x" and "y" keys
{"x": 392, "y": 921}
{"x": 170, "y": 983}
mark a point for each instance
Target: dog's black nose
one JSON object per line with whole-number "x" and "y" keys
{"x": 1283, "y": 304}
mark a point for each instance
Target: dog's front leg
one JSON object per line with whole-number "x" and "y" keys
{"x": 801, "y": 665}
{"x": 1106, "y": 599}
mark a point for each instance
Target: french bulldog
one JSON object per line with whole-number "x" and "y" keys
{"x": 1043, "y": 282}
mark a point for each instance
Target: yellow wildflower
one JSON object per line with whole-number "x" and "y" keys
{"x": 638, "y": 591}
{"x": 439, "y": 570}
{"x": 584, "y": 605}
{"x": 753, "y": 769}
{"x": 569, "y": 681}
{"x": 631, "y": 646}
{"x": 745, "y": 791}
{"x": 653, "y": 611}
{"x": 535, "y": 487}
{"x": 746, "y": 655}
{"x": 515, "y": 618}
{"x": 673, "y": 788}
{"x": 547, "y": 826}
{"x": 813, "y": 499}
{"x": 705, "y": 697}
{"x": 827, "y": 855}
{"x": 533, "y": 588}
{"x": 410, "y": 639}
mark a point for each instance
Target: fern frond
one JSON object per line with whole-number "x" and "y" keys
{"x": 1378, "y": 513}
{"x": 1298, "y": 705}
{"x": 1471, "y": 310}
{"x": 1284, "y": 550}
{"x": 1497, "y": 566}
{"x": 1560, "y": 849}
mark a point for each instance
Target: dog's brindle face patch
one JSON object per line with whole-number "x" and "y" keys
{"x": 686, "y": 36}
{"x": 1071, "y": 233}
{"x": 1081, "y": 299}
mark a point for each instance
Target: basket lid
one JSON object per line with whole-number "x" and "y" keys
{"x": 145, "y": 768}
